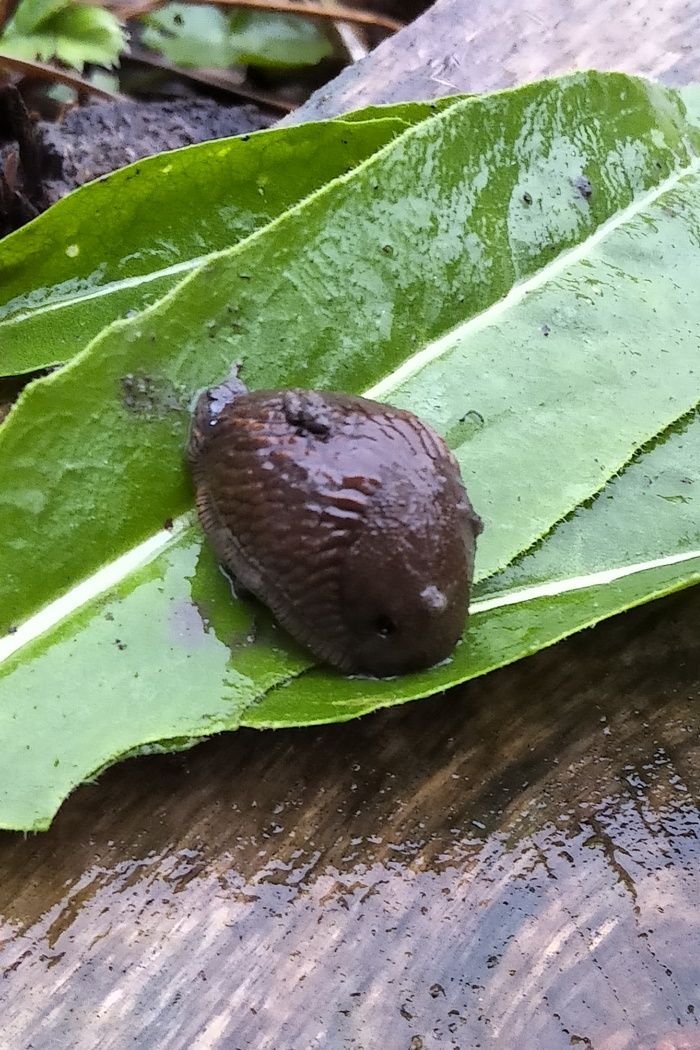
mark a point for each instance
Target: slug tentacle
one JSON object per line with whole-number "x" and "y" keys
{"x": 208, "y": 410}
{"x": 348, "y": 518}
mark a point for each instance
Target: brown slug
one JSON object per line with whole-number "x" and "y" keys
{"x": 348, "y": 518}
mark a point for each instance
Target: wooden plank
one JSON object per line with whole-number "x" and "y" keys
{"x": 512, "y": 865}
{"x": 485, "y": 45}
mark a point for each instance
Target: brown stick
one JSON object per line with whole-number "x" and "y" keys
{"x": 7, "y": 9}
{"x": 336, "y": 12}
{"x": 45, "y": 72}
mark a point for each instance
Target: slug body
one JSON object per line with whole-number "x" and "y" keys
{"x": 346, "y": 517}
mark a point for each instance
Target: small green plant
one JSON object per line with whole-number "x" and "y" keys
{"x": 75, "y": 34}
{"x": 204, "y": 35}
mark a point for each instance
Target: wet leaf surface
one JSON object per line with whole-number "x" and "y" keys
{"x": 117, "y": 244}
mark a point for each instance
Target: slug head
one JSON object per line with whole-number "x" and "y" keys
{"x": 405, "y": 591}
{"x": 208, "y": 408}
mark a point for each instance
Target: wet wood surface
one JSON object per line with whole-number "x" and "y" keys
{"x": 515, "y": 864}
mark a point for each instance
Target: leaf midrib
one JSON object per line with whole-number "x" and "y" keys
{"x": 184, "y": 267}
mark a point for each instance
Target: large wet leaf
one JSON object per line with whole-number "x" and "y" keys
{"x": 568, "y": 393}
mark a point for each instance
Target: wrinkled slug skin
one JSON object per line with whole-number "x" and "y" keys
{"x": 346, "y": 517}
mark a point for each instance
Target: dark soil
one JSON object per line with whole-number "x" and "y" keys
{"x": 41, "y": 161}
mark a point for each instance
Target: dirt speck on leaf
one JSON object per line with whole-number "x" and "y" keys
{"x": 583, "y": 185}
{"x": 149, "y": 396}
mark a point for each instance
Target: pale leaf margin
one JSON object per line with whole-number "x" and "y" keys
{"x": 109, "y": 576}
{"x": 354, "y": 698}
{"x": 577, "y": 583}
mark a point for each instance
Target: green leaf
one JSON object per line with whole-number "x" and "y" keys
{"x": 271, "y": 40}
{"x": 497, "y": 638}
{"x": 436, "y": 274}
{"x": 87, "y": 34}
{"x": 217, "y": 656}
{"x": 31, "y": 14}
{"x": 194, "y": 35}
{"x": 105, "y": 81}
{"x": 89, "y": 695}
{"x": 651, "y": 508}
{"x": 190, "y": 35}
{"x": 75, "y": 34}
{"x": 118, "y": 244}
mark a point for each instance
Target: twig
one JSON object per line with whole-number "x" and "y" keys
{"x": 349, "y": 36}
{"x": 41, "y": 71}
{"x": 208, "y": 77}
{"x": 336, "y": 12}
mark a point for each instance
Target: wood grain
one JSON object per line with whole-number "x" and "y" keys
{"x": 486, "y": 45}
{"x": 514, "y": 864}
